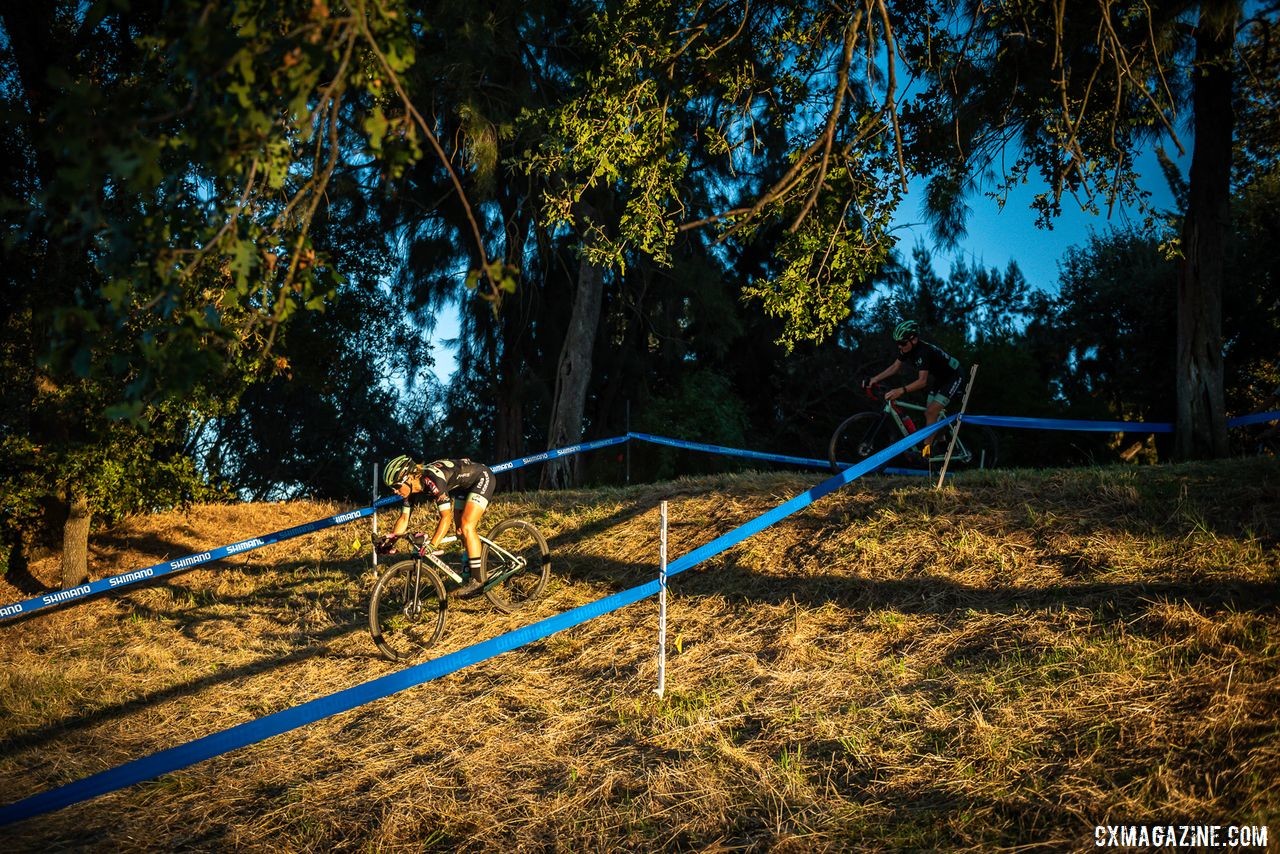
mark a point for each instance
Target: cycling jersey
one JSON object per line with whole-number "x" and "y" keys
{"x": 443, "y": 480}
{"x": 945, "y": 378}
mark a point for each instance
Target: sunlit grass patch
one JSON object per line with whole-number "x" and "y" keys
{"x": 1003, "y": 662}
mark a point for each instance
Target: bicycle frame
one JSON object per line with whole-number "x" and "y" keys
{"x": 515, "y": 563}
{"x": 895, "y": 410}
{"x": 407, "y": 609}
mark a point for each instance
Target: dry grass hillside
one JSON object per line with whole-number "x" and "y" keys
{"x": 1005, "y": 663}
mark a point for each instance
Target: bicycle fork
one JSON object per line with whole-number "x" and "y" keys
{"x": 868, "y": 445}
{"x": 412, "y": 593}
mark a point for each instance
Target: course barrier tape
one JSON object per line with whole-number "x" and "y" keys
{"x": 191, "y": 561}
{"x": 757, "y": 455}
{"x": 252, "y": 732}
{"x": 115, "y": 582}
{"x": 1016, "y": 423}
{"x": 150, "y": 573}
{"x": 733, "y": 452}
{"x": 557, "y": 452}
{"x": 1255, "y": 418}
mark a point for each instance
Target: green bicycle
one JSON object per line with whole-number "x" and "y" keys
{"x": 866, "y": 433}
{"x": 410, "y": 600}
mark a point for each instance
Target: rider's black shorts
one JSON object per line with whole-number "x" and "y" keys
{"x": 447, "y": 481}
{"x": 948, "y": 389}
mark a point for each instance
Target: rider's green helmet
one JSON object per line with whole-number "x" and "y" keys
{"x": 396, "y": 469}
{"x": 905, "y": 330}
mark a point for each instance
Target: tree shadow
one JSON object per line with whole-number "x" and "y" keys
{"x": 150, "y": 545}
{"x": 19, "y": 576}
{"x": 730, "y": 577}
{"x": 187, "y": 618}
{"x": 50, "y": 732}
{"x": 933, "y": 595}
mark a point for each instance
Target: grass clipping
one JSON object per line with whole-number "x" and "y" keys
{"x": 1006, "y": 662}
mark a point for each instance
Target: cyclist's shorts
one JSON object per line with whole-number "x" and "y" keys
{"x": 944, "y": 394}
{"x": 478, "y": 492}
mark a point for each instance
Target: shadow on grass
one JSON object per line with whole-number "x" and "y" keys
{"x": 932, "y": 595}
{"x": 153, "y": 547}
{"x": 285, "y": 596}
{"x": 727, "y": 577}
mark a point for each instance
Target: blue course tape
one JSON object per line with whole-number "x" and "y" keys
{"x": 114, "y": 582}
{"x": 1105, "y": 426}
{"x": 735, "y": 452}
{"x": 251, "y": 732}
{"x": 757, "y": 455}
{"x": 1063, "y": 424}
{"x": 557, "y": 452}
{"x": 1255, "y": 418}
{"x": 150, "y": 573}
{"x": 804, "y": 499}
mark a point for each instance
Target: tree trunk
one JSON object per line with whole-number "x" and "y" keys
{"x": 75, "y": 542}
{"x": 1201, "y": 426}
{"x": 573, "y": 373}
{"x": 513, "y": 367}
{"x": 509, "y": 409}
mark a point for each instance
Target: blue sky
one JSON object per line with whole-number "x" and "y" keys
{"x": 998, "y": 236}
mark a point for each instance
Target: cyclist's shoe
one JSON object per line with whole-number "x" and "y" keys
{"x": 469, "y": 588}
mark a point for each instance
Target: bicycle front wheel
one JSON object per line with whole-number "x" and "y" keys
{"x": 407, "y": 610}
{"x": 507, "y": 583}
{"x": 859, "y": 437}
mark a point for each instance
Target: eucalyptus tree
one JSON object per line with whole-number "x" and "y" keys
{"x": 1071, "y": 92}
{"x": 477, "y": 71}
{"x": 617, "y": 129}
{"x": 734, "y": 119}
{"x": 172, "y": 160}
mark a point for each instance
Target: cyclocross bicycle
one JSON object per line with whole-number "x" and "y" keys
{"x": 866, "y": 433}
{"x": 410, "y": 600}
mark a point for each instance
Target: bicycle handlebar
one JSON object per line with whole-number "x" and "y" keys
{"x": 876, "y": 392}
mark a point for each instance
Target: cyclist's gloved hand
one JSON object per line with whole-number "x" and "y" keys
{"x": 386, "y": 544}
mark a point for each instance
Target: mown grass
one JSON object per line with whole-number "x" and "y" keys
{"x": 1004, "y": 663}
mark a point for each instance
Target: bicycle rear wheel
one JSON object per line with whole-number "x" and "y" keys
{"x": 858, "y": 437}
{"x": 407, "y": 610}
{"x": 514, "y": 587}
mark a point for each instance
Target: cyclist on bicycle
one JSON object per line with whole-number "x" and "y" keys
{"x": 440, "y": 482}
{"x": 939, "y": 372}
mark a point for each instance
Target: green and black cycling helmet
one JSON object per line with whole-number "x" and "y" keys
{"x": 396, "y": 470}
{"x": 905, "y": 330}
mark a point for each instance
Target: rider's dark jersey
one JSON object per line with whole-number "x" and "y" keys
{"x": 445, "y": 478}
{"x": 943, "y": 369}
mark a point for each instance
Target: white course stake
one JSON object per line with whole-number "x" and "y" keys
{"x": 955, "y": 431}
{"x": 662, "y": 606}
{"x": 374, "y": 536}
